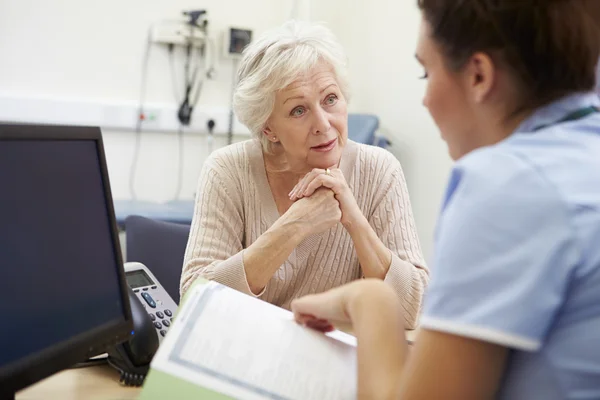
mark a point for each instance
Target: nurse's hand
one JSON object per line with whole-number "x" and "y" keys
{"x": 338, "y": 306}
{"x": 334, "y": 180}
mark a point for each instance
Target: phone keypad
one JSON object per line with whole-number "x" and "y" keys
{"x": 163, "y": 322}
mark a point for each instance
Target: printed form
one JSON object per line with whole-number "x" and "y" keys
{"x": 248, "y": 349}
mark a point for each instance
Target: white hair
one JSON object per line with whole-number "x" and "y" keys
{"x": 277, "y": 59}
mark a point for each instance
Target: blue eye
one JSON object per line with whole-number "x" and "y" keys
{"x": 297, "y": 112}
{"x": 331, "y": 100}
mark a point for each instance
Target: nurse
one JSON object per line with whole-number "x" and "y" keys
{"x": 513, "y": 309}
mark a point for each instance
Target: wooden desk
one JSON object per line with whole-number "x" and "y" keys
{"x": 88, "y": 383}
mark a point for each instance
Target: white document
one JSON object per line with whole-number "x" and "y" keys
{"x": 248, "y": 349}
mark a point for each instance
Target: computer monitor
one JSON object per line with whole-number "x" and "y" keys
{"x": 63, "y": 294}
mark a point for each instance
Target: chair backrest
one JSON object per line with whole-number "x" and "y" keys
{"x": 362, "y": 128}
{"x": 160, "y": 246}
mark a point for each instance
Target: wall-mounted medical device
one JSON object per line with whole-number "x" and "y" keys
{"x": 236, "y": 39}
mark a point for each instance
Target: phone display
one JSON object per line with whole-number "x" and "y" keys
{"x": 138, "y": 278}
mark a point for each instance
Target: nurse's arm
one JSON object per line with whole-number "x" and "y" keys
{"x": 438, "y": 366}
{"x": 445, "y": 366}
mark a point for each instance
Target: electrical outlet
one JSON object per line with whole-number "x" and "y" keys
{"x": 151, "y": 118}
{"x": 177, "y": 33}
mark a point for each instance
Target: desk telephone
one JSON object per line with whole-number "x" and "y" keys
{"x": 152, "y": 310}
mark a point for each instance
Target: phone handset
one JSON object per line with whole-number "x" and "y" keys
{"x": 152, "y": 311}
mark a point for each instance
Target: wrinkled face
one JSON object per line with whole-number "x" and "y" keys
{"x": 446, "y": 97}
{"x": 310, "y": 120}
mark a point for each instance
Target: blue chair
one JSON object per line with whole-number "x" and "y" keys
{"x": 362, "y": 128}
{"x": 176, "y": 211}
{"x": 160, "y": 246}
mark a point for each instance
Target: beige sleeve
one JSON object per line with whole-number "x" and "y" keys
{"x": 215, "y": 245}
{"x": 394, "y": 224}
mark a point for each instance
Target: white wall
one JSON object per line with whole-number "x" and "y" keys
{"x": 380, "y": 38}
{"x": 93, "y": 50}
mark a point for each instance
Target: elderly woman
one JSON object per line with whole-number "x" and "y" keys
{"x": 301, "y": 209}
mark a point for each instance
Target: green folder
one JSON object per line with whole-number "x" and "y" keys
{"x": 160, "y": 386}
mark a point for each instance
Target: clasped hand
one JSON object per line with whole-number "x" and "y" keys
{"x": 335, "y": 181}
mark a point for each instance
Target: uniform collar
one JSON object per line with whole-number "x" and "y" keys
{"x": 553, "y": 112}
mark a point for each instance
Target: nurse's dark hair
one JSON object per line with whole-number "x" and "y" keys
{"x": 550, "y": 47}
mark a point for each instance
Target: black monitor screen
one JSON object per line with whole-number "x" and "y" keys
{"x": 60, "y": 277}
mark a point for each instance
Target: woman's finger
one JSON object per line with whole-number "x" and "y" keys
{"x": 315, "y": 174}
{"x": 316, "y": 183}
{"x": 321, "y": 181}
{"x": 297, "y": 194}
{"x": 334, "y": 181}
{"x": 302, "y": 187}
{"x": 296, "y": 189}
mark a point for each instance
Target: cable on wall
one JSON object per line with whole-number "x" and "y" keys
{"x": 194, "y": 76}
{"x": 140, "y": 115}
{"x": 234, "y": 68}
{"x": 180, "y": 159}
{"x": 180, "y": 131}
